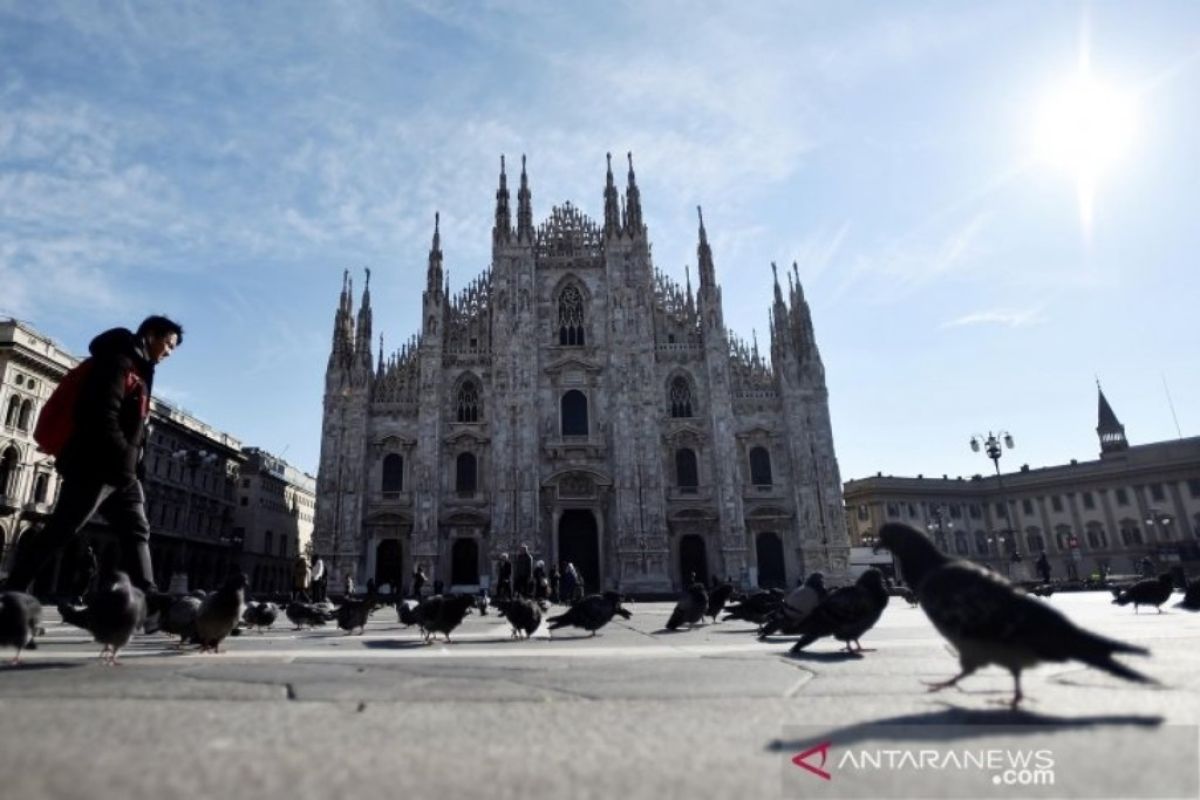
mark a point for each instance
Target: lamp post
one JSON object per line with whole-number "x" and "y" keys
{"x": 938, "y": 523}
{"x": 992, "y": 447}
{"x": 1161, "y": 523}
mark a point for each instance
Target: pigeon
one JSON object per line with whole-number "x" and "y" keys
{"x": 523, "y": 615}
{"x": 591, "y": 613}
{"x": 116, "y": 609}
{"x": 219, "y": 613}
{"x": 1150, "y": 592}
{"x": 756, "y": 608}
{"x": 798, "y": 604}
{"x": 846, "y": 614}
{"x": 690, "y": 608}
{"x": 443, "y": 613}
{"x": 988, "y": 621}
{"x": 20, "y": 622}
{"x": 304, "y": 615}
{"x": 717, "y": 599}
{"x": 180, "y": 618}
{"x": 1191, "y": 597}
{"x": 260, "y": 615}
{"x": 353, "y": 614}
{"x": 405, "y": 611}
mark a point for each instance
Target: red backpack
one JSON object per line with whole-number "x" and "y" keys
{"x": 56, "y": 423}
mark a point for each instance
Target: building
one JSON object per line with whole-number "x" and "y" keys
{"x": 1132, "y": 503}
{"x": 273, "y": 520}
{"x": 573, "y": 398}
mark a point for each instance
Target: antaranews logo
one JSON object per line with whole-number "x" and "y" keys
{"x": 1006, "y": 766}
{"x": 801, "y": 760}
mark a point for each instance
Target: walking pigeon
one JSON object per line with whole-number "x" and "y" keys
{"x": 353, "y": 614}
{"x": 219, "y": 613}
{"x": 591, "y": 613}
{"x": 304, "y": 615}
{"x": 443, "y": 613}
{"x": 180, "y": 618}
{"x": 690, "y": 608}
{"x": 1191, "y": 597}
{"x": 796, "y": 607}
{"x": 1150, "y": 592}
{"x": 20, "y": 622}
{"x": 523, "y": 615}
{"x": 756, "y": 608}
{"x": 717, "y": 599}
{"x": 988, "y": 621}
{"x": 116, "y": 610}
{"x": 846, "y": 614}
{"x": 260, "y": 615}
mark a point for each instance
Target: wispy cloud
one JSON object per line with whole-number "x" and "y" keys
{"x": 1012, "y": 318}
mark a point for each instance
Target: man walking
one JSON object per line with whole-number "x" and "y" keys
{"x": 101, "y": 459}
{"x": 523, "y": 573}
{"x": 318, "y": 578}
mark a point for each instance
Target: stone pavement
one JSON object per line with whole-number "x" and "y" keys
{"x": 634, "y": 712}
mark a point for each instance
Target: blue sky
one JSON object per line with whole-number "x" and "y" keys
{"x": 224, "y": 162}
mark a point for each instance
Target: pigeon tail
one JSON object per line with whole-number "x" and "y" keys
{"x": 804, "y": 642}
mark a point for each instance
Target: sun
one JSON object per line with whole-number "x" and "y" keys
{"x": 1085, "y": 127}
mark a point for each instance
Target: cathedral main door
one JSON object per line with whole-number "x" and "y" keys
{"x": 693, "y": 559}
{"x": 464, "y": 563}
{"x": 389, "y": 568}
{"x": 579, "y": 543}
{"x": 772, "y": 572}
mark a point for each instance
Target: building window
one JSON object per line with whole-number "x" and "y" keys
{"x": 14, "y": 410}
{"x": 892, "y": 510}
{"x": 8, "y": 470}
{"x": 687, "y": 474}
{"x": 393, "y": 473}
{"x": 864, "y": 512}
{"x": 40, "y": 487}
{"x": 1056, "y": 502}
{"x": 681, "y": 397}
{"x": 268, "y": 540}
{"x": 960, "y": 543}
{"x": 1089, "y": 501}
{"x": 1122, "y": 497}
{"x": 464, "y": 473}
{"x": 245, "y": 481}
{"x": 468, "y": 402}
{"x": 1193, "y": 485}
{"x": 999, "y": 509}
{"x": 27, "y": 412}
{"x": 760, "y": 466}
{"x": 1156, "y": 489}
{"x": 245, "y": 500}
{"x": 1027, "y": 506}
{"x": 1034, "y": 540}
{"x": 574, "y": 414}
{"x": 941, "y": 541}
{"x": 955, "y": 511}
{"x": 570, "y": 317}
{"x": 1097, "y": 537}
{"x": 975, "y": 511}
{"x": 1131, "y": 534}
{"x": 981, "y": 543}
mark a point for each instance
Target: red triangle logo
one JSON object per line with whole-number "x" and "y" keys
{"x": 823, "y": 749}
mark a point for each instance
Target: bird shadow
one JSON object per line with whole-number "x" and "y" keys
{"x": 955, "y": 722}
{"x": 822, "y": 657}
{"x": 739, "y": 631}
{"x": 40, "y": 666}
{"x": 393, "y": 644}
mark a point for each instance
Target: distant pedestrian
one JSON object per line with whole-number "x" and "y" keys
{"x": 541, "y": 585}
{"x": 1043, "y": 567}
{"x": 504, "y": 571}
{"x": 348, "y": 585}
{"x": 572, "y": 587}
{"x": 319, "y": 578}
{"x": 523, "y": 572}
{"x": 97, "y": 433}
{"x": 418, "y": 581}
{"x": 1147, "y": 566}
{"x": 301, "y": 578}
{"x": 555, "y": 582}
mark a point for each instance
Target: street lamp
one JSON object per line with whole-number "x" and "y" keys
{"x": 992, "y": 446}
{"x": 1161, "y": 522}
{"x": 938, "y": 523}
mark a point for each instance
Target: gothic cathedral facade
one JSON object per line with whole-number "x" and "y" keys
{"x": 575, "y": 399}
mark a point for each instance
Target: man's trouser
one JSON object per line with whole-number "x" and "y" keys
{"x": 79, "y": 499}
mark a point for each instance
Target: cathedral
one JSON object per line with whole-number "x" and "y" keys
{"x": 574, "y": 399}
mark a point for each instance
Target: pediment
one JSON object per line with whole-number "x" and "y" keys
{"x": 469, "y": 435}
{"x": 597, "y": 477}
{"x": 684, "y": 431}
{"x": 393, "y": 441}
{"x": 569, "y": 363}
{"x": 758, "y": 431}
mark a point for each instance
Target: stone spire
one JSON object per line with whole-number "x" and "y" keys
{"x": 379, "y": 368}
{"x": 433, "y": 276}
{"x": 362, "y": 342}
{"x": 633, "y": 203}
{"x": 1110, "y": 430}
{"x": 687, "y": 277}
{"x": 612, "y": 210}
{"x": 524, "y": 208}
{"x": 708, "y": 279}
{"x": 342, "y": 341}
{"x": 502, "y": 232}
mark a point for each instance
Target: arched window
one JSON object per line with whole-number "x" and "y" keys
{"x": 1131, "y": 534}
{"x": 570, "y": 317}
{"x": 681, "y": 397}
{"x": 1034, "y": 540}
{"x": 981, "y": 543}
{"x": 760, "y": 466}
{"x": 41, "y": 488}
{"x": 393, "y": 473}
{"x": 464, "y": 473}
{"x": 26, "y": 413}
{"x": 1096, "y": 535}
{"x": 14, "y": 410}
{"x": 574, "y": 414}
{"x": 960, "y": 543}
{"x": 468, "y": 402}
{"x": 8, "y": 469}
{"x": 686, "y": 473}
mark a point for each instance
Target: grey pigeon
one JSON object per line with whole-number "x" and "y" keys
{"x": 523, "y": 614}
{"x": 180, "y": 618}
{"x": 756, "y": 608}
{"x": 219, "y": 613}
{"x": 405, "y": 610}
{"x": 303, "y": 615}
{"x": 717, "y": 599}
{"x": 260, "y": 615}
{"x": 591, "y": 613}
{"x": 846, "y": 614}
{"x": 353, "y": 613}
{"x": 20, "y": 622}
{"x": 795, "y": 607}
{"x": 443, "y": 613}
{"x": 116, "y": 609}
{"x": 690, "y": 608}
{"x": 1151, "y": 592}
{"x": 988, "y": 621}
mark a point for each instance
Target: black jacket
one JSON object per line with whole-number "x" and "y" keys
{"x": 110, "y": 416}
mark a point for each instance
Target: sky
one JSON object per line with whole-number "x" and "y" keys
{"x": 224, "y": 162}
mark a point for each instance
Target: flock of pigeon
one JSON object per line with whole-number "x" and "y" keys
{"x": 985, "y": 618}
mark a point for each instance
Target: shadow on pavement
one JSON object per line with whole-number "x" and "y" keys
{"x": 822, "y": 656}
{"x": 934, "y": 726}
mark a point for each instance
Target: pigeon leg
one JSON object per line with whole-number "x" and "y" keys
{"x": 939, "y": 685}
{"x": 16, "y": 659}
{"x": 1018, "y": 695}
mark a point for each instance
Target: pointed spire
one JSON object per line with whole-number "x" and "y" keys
{"x": 1110, "y": 430}
{"x": 708, "y": 279}
{"x": 379, "y": 369}
{"x": 687, "y": 277}
{"x": 433, "y": 275}
{"x": 502, "y": 231}
{"x": 612, "y": 213}
{"x": 362, "y": 343}
{"x": 778, "y": 293}
{"x": 633, "y": 202}
{"x": 524, "y": 208}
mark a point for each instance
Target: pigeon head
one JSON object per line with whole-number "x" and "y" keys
{"x": 872, "y": 579}
{"x": 816, "y": 580}
{"x": 1166, "y": 579}
{"x": 917, "y": 555}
